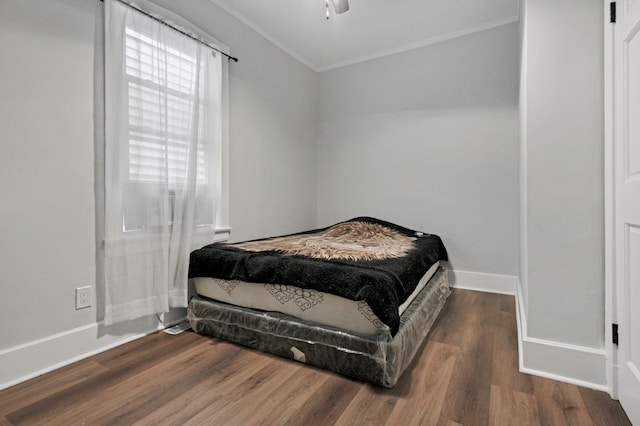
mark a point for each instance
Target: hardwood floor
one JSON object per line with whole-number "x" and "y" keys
{"x": 465, "y": 373}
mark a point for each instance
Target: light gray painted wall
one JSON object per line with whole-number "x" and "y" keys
{"x": 565, "y": 171}
{"x": 452, "y": 106}
{"x": 429, "y": 139}
{"x": 47, "y": 243}
{"x": 522, "y": 115}
{"x": 46, "y": 166}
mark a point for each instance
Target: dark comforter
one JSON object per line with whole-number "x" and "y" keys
{"x": 360, "y": 259}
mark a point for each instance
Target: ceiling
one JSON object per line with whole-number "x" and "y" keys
{"x": 372, "y": 28}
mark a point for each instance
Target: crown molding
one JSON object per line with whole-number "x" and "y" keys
{"x": 423, "y": 43}
{"x": 380, "y": 54}
{"x": 255, "y": 27}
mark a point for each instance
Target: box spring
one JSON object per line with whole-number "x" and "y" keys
{"x": 379, "y": 359}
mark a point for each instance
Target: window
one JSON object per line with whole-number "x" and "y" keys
{"x": 154, "y": 115}
{"x": 163, "y": 96}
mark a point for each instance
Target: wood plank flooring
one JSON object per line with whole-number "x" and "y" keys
{"x": 465, "y": 373}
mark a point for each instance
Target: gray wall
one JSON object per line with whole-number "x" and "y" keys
{"x": 397, "y": 136}
{"x": 429, "y": 139}
{"x": 522, "y": 116}
{"x": 47, "y": 243}
{"x": 564, "y": 171}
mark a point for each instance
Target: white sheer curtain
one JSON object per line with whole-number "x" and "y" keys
{"x": 162, "y": 160}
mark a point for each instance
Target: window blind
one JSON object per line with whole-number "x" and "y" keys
{"x": 161, "y": 99}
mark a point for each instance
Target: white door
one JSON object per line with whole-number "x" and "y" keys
{"x": 627, "y": 201}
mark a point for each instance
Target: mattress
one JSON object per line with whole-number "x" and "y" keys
{"x": 362, "y": 259}
{"x": 307, "y": 304}
{"x": 380, "y": 359}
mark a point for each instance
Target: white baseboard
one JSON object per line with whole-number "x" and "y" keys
{"x": 478, "y": 281}
{"x": 578, "y": 365}
{"x": 23, "y": 362}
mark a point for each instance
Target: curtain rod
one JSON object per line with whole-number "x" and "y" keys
{"x": 173, "y": 27}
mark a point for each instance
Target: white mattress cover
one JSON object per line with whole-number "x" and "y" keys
{"x": 310, "y": 305}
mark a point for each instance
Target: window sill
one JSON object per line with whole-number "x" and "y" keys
{"x": 202, "y": 238}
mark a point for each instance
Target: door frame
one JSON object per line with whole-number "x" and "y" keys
{"x": 610, "y": 314}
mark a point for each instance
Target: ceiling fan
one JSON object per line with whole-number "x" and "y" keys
{"x": 339, "y": 6}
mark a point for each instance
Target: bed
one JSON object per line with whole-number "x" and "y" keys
{"x": 356, "y": 298}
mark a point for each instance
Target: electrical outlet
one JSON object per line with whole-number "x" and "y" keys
{"x": 83, "y": 297}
